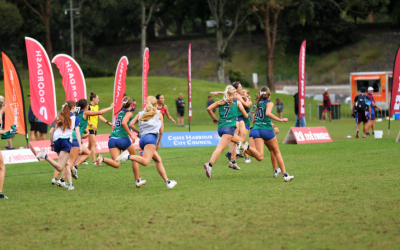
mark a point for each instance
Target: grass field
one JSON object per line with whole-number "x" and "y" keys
{"x": 345, "y": 195}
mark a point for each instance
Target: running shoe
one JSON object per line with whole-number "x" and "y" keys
{"x": 234, "y": 166}
{"x": 123, "y": 156}
{"x": 74, "y": 172}
{"x": 238, "y": 148}
{"x": 239, "y": 156}
{"x": 247, "y": 160}
{"x": 367, "y": 133}
{"x": 357, "y": 132}
{"x": 171, "y": 184}
{"x": 54, "y": 181}
{"x": 41, "y": 154}
{"x": 2, "y": 196}
{"x": 276, "y": 172}
{"x": 71, "y": 187}
{"x": 62, "y": 184}
{"x": 228, "y": 155}
{"x": 99, "y": 160}
{"x": 288, "y": 177}
{"x": 140, "y": 182}
{"x": 94, "y": 163}
{"x": 208, "y": 169}
{"x": 85, "y": 163}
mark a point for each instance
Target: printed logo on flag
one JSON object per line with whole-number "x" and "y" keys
{"x": 397, "y": 103}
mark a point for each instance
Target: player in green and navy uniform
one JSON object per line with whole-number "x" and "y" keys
{"x": 228, "y": 111}
{"x": 263, "y": 130}
{"x": 121, "y": 137}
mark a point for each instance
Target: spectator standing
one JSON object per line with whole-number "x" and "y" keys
{"x": 209, "y": 102}
{"x": 373, "y": 105}
{"x": 180, "y": 106}
{"x": 302, "y": 122}
{"x": 42, "y": 128}
{"x": 279, "y": 107}
{"x": 34, "y": 132}
{"x": 361, "y": 110}
{"x": 327, "y": 106}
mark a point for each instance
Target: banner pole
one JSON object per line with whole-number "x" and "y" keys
{"x": 391, "y": 97}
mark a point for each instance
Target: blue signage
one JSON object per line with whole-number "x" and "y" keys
{"x": 190, "y": 139}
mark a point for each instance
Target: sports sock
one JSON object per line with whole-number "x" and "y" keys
{"x": 75, "y": 166}
{"x": 285, "y": 175}
{"x": 137, "y": 181}
{"x": 129, "y": 157}
{"x": 45, "y": 157}
{"x": 210, "y": 164}
{"x": 168, "y": 182}
{"x": 233, "y": 162}
{"x": 62, "y": 180}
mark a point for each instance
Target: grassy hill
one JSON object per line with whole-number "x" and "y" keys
{"x": 169, "y": 87}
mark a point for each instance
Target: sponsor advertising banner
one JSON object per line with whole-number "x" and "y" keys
{"x": 395, "y": 100}
{"x": 119, "y": 85}
{"x": 72, "y": 75}
{"x": 145, "y": 70}
{"x": 101, "y": 145}
{"x": 190, "y": 139}
{"x": 43, "y": 94}
{"x": 306, "y": 135}
{"x": 14, "y": 95}
{"x": 190, "y": 81}
{"x": 18, "y": 156}
{"x": 302, "y": 80}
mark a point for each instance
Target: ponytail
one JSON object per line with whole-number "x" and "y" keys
{"x": 150, "y": 109}
{"x": 126, "y": 103}
{"x": 264, "y": 94}
{"x": 63, "y": 119}
{"x": 227, "y": 95}
{"x": 92, "y": 96}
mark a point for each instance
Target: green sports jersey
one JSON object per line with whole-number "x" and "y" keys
{"x": 82, "y": 127}
{"x": 262, "y": 122}
{"x": 247, "y": 120}
{"x": 227, "y": 115}
{"x": 119, "y": 131}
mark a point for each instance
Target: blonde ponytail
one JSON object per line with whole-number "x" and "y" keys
{"x": 227, "y": 95}
{"x": 150, "y": 109}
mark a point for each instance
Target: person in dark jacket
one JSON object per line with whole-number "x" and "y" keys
{"x": 302, "y": 122}
{"x": 34, "y": 132}
{"x": 180, "y": 108}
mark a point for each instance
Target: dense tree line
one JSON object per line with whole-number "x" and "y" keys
{"x": 326, "y": 23}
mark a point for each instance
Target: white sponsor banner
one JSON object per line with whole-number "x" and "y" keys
{"x": 18, "y": 156}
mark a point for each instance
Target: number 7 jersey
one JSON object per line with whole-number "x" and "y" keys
{"x": 227, "y": 115}
{"x": 262, "y": 122}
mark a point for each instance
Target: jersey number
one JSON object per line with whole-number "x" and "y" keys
{"x": 260, "y": 113}
{"x": 227, "y": 111}
{"x": 118, "y": 122}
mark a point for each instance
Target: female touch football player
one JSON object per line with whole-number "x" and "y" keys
{"x": 92, "y": 124}
{"x": 164, "y": 110}
{"x": 263, "y": 131}
{"x": 2, "y": 166}
{"x": 83, "y": 115}
{"x": 150, "y": 123}
{"x": 228, "y": 111}
{"x": 121, "y": 136}
{"x": 61, "y": 139}
{"x": 240, "y": 126}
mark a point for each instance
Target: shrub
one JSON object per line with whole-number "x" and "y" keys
{"x": 238, "y": 76}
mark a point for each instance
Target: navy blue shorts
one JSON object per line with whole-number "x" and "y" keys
{"x": 327, "y": 109}
{"x": 264, "y": 134}
{"x": 247, "y": 127}
{"x": 62, "y": 145}
{"x": 372, "y": 117}
{"x": 147, "y": 139}
{"x": 226, "y": 131}
{"x": 75, "y": 144}
{"x": 251, "y": 133}
{"x": 120, "y": 143}
{"x": 239, "y": 118}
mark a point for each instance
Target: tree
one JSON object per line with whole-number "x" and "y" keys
{"x": 222, "y": 14}
{"x": 44, "y": 15}
{"x": 145, "y": 22}
{"x": 10, "y": 16}
{"x": 267, "y": 11}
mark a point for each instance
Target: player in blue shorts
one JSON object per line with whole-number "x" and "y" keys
{"x": 61, "y": 140}
{"x": 263, "y": 130}
{"x": 150, "y": 124}
{"x": 121, "y": 138}
{"x": 228, "y": 111}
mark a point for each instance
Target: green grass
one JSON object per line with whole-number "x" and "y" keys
{"x": 169, "y": 87}
{"x": 345, "y": 195}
